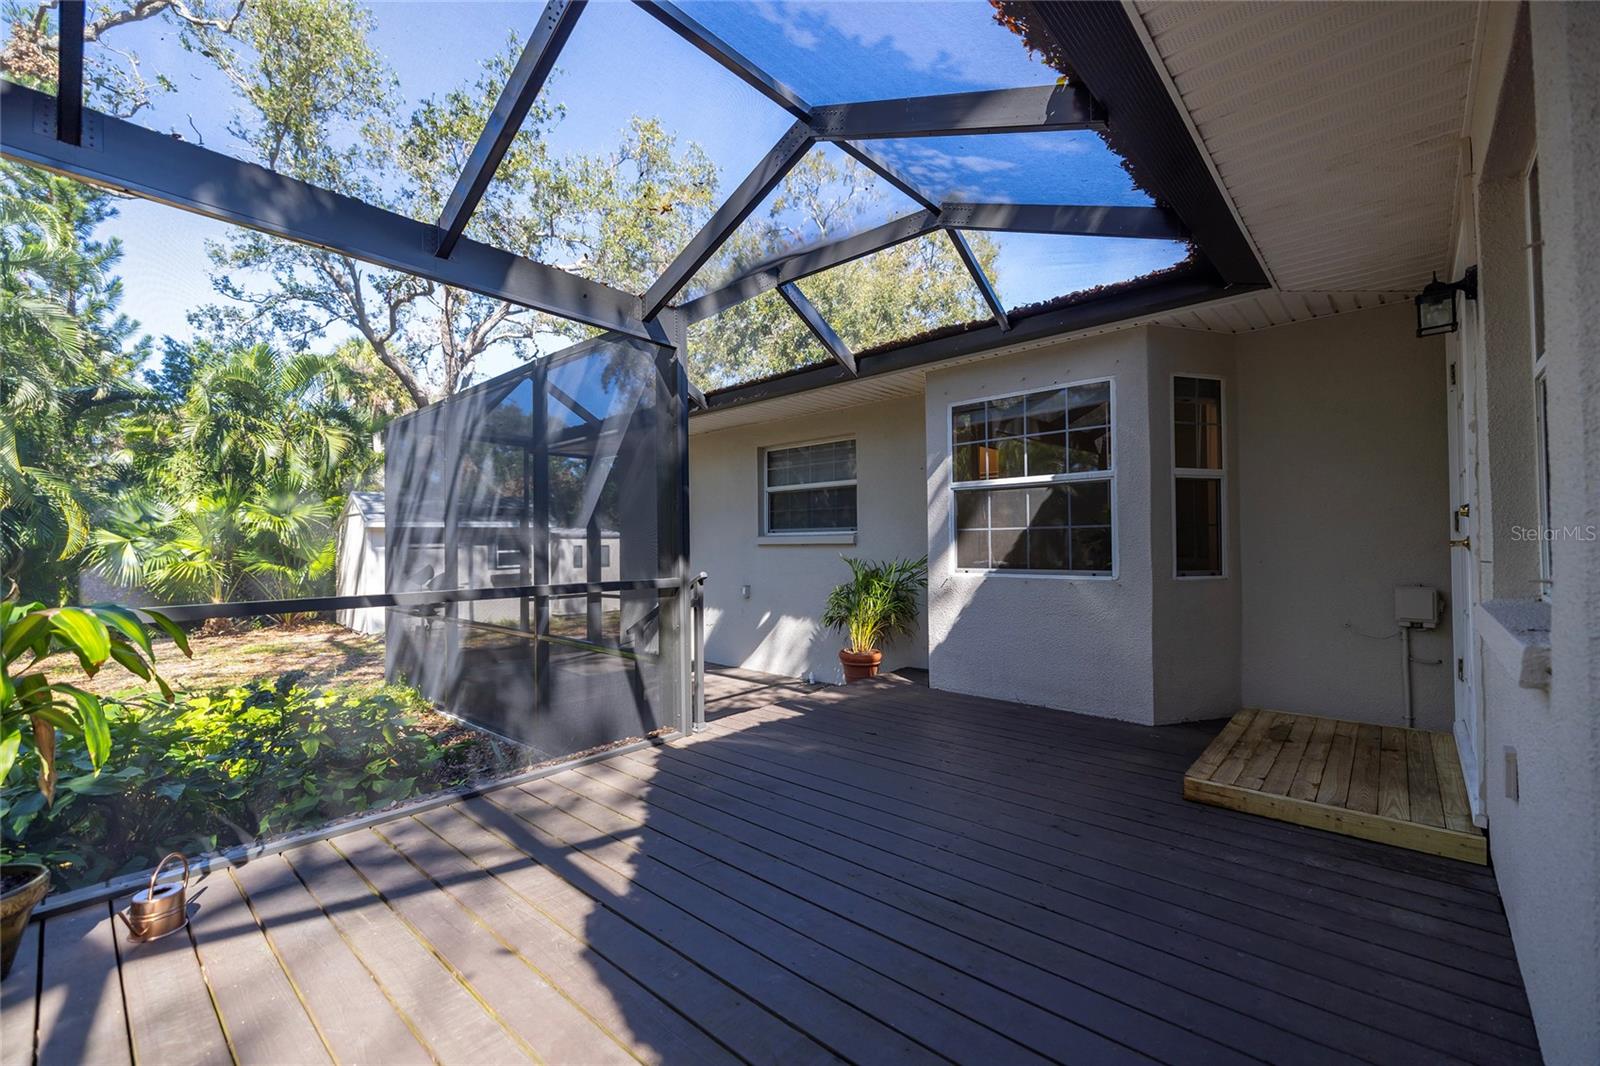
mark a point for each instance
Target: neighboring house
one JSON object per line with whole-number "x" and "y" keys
{"x": 1243, "y": 497}
{"x": 361, "y": 566}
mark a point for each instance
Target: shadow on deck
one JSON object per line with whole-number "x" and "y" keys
{"x": 881, "y": 873}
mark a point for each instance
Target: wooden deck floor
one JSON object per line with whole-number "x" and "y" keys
{"x": 1396, "y": 786}
{"x": 880, "y": 874}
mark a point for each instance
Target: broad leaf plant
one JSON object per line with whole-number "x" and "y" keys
{"x": 31, "y": 638}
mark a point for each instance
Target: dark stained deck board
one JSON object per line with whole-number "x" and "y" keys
{"x": 1073, "y": 848}
{"x": 172, "y": 1018}
{"x": 748, "y": 914}
{"x": 1093, "y": 921}
{"x": 1218, "y": 877}
{"x": 1401, "y": 782}
{"x": 1112, "y": 867}
{"x": 19, "y": 1001}
{"x": 1161, "y": 984}
{"x": 1009, "y": 996}
{"x": 1095, "y": 788}
{"x": 81, "y": 1016}
{"x": 874, "y": 873}
{"x": 265, "y": 1021}
{"x": 647, "y": 1026}
{"x": 1106, "y": 759}
{"x": 748, "y": 1031}
{"x": 356, "y": 1018}
{"x": 525, "y": 1002}
{"x": 739, "y": 944}
{"x": 1414, "y": 873}
{"x": 905, "y": 768}
{"x": 457, "y": 1027}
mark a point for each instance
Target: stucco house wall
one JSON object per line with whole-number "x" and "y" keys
{"x": 1196, "y": 645}
{"x": 775, "y": 628}
{"x": 1082, "y": 644}
{"x": 1343, "y": 496}
{"x": 1544, "y": 833}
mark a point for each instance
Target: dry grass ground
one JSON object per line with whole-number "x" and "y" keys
{"x": 318, "y": 654}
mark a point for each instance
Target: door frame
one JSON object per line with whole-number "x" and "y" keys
{"x": 1463, "y": 359}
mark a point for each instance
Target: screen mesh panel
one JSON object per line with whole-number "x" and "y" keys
{"x": 553, "y": 494}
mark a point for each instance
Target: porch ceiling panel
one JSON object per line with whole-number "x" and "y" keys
{"x": 1263, "y": 310}
{"x": 1335, "y": 128}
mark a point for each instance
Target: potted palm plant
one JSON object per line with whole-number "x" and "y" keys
{"x": 30, "y": 636}
{"x": 877, "y": 604}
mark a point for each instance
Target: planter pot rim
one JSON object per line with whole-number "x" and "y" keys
{"x": 41, "y": 873}
{"x": 860, "y": 656}
{"x": 29, "y": 892}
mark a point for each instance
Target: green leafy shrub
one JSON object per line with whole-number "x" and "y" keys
{"x": 205, "y": 771}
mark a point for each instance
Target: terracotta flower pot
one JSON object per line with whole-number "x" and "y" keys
{"x": 860, "y": 665}
{"x": 25, "y": 884}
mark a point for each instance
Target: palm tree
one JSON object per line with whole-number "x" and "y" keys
{"x": 221, "y": 546}
{"x": 245, "y": 476}
{"x": 66, "y": 368}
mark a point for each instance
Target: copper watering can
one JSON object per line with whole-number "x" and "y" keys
{"x": 159, "y": 909}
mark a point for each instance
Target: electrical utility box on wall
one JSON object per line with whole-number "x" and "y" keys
{"x": 1417, "y": 606}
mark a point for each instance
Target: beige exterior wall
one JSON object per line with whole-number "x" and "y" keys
{"x": 1082, "y": 644}
{"x": 1335, "y": 488}
{"x": 1196, "y": 621}
{"x": 1540, "y": 75}
{"x": 1344, "y": 495}
{"x": 775, "y": 629}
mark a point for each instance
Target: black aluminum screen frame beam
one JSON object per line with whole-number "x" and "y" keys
{"x": 125, "y": 157}
{"x": 1035, "y": 109}
{"x": 69, "y": 71}
{"x": 731, "y": 59}
{"x": 980, "y": 278}
{"x": 762, "y": 179}
{"x": 769, "y": 275}
{"x": 1147, "y": 223}
{"x": 1110, "y": 58}
{"x": 1153, "y": 298}
{"x": 1142, "y": 222}
{"x": 533, "y": 67}
{"x": 819, "y": 327}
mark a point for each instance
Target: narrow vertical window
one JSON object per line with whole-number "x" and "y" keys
{"x": 1197, "y": 467}
{"x": 1540, "y": 397}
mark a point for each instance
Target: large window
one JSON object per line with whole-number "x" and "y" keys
{"x": 1033, "y": 478}
{"x": 1197, "y": 470}
{"x": 809, "y": 489}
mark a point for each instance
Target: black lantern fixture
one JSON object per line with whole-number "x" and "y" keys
{"x": 1436, "y": 304}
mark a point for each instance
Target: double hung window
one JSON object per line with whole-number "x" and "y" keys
{"x": 809, "y": 489}
{"x": 1034, "y": 478}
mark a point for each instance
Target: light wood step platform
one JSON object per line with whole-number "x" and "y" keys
{"x": 1384, "y": 783}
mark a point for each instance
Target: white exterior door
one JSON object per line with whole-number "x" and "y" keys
{"x": 1463, "y": 364}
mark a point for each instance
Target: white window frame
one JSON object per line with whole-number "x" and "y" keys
{"x": 1536, "y": 328}
{"x": 800, "y": 535}
{"x": 1108, "y": 474}
{"x": 1219, "y": 475}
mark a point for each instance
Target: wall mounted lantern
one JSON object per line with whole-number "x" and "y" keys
{"x": 1436, "y": 304}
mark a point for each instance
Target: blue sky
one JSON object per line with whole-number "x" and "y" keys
{"x": 620, "y": 62}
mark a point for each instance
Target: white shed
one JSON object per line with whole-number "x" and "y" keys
{"x": 361, "y": 559}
